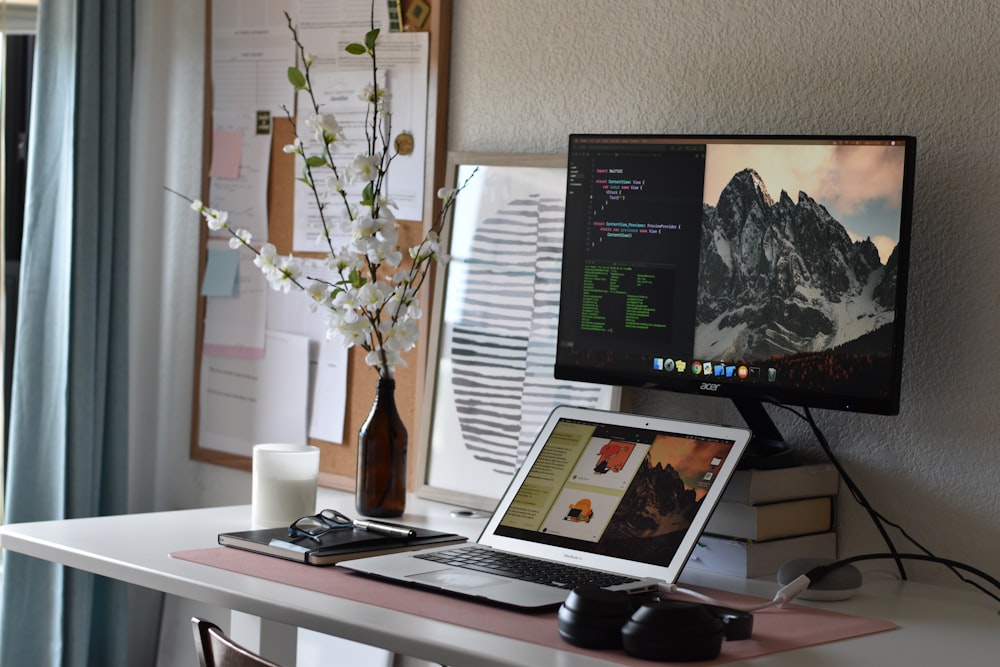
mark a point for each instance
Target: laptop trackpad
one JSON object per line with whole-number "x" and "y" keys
{"x": 458, "y": 579}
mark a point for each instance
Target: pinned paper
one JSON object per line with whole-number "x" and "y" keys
{"x": 221, "y": 272}
{"x": 227, "y": 151}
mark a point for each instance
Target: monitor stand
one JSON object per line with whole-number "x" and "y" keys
{"x": 767, "y": 449}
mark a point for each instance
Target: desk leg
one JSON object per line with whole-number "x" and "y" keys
{"x": 271, "y": 639}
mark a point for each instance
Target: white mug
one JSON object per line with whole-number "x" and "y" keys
{"x": 285, "y": 478}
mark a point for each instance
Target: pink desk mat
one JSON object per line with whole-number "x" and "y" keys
{"x": 775, "y": 630}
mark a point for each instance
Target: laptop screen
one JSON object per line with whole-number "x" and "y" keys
{"x": 615, "y": 490}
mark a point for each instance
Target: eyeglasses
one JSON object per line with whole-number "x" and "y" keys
{"x": 317, "y": 525}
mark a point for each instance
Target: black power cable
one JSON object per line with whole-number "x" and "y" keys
{"x": 820, "y": 571}
{"x": 855, "y": 490}
{"x": 879, "y": 519}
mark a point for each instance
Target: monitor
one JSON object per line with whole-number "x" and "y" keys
{"x": 755, "y": 268}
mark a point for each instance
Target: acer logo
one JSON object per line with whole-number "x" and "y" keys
{"x": 709, "y": 386}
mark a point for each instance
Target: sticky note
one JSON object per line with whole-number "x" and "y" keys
{"x": 227, "y": 151}
{"x": 221, "y": 272}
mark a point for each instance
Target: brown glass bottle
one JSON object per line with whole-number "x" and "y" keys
{"x": 382, "y": 441}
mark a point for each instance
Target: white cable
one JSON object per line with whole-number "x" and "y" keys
{"x": 784, "y": 595}
{"x": 791, "y": 590}
{"x": 696, "y": 594}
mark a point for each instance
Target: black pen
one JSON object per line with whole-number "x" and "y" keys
{"x": 384, "y": 529}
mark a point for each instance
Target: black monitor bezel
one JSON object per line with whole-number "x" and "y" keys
{"x": 887, "y": 405}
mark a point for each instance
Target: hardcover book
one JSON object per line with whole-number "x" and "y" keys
{"x": 772, "y": 521}
{"x": 810, "y": 480}
{"x": 746, "y": 558}
{"x": 334, "y": 546}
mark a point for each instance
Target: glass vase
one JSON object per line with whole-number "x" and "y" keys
{"x": 382, "y": 440}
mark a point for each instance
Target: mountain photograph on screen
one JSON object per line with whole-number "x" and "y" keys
{"x": 803, "y": 285}
{"x": 653, "y": 516}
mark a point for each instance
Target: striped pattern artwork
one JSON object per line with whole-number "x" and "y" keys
{"x": 503, "y": 338}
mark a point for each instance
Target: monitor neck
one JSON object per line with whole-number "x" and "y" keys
{"x": 767, "y": 448}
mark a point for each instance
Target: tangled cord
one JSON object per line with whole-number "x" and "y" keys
{"x": 881, "y": 522}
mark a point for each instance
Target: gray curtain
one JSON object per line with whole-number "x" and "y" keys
{"x": 68, "y": 447}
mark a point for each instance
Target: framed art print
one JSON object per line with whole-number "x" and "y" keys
{"x": 489, "y": 383}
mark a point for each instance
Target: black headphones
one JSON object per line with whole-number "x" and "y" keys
{"x": 651, "y": 629}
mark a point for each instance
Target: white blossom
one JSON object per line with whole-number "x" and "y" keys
{"x": 393, "y": 358}
{"x": 347, "y": 303}
{"x": 284, "y": 273}
{"x": 400, "y": 335}
{"x": 363, "y": 168}
{"x": 364, "y": 227}
{"x": 373, "y": 295}
{"x": 215, "y": 218}
{"x": 403, "y": 305}
{"x": 319, "y": 295}
{"x": 373, "y": 95}
{"x": 325, "y": 128}
{"x": 333, "y": 183}
{"x": 344, "y": 261}
{"x": 352, "y": 333}
{"x": 429, "y": 249}
{"x": 394, "y": 257}
{"x": 265, "y": 257}
{"x": 241, "y": 237}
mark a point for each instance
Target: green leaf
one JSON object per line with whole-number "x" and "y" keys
{"x": 370, "y": 39}
{"x": 305, "y": 176}
{"x": 296, "y": 78}
{"x": 368, "y": 196}
{"x": 315, "y": 161}
{"x": 356, "y": 49}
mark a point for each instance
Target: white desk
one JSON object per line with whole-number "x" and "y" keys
{"x": 938, "y": 625}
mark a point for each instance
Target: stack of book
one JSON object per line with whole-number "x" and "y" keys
{"x": 767, "y": 517}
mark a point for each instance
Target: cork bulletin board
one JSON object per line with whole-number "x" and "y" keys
{"x": 338, "y": 460}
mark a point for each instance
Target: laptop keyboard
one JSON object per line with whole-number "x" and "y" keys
{"x": 525, "y": 568}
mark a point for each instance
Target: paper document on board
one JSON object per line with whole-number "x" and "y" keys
{"x": 234, "y": 325}
{"x": 252, "y": 49}
{"x": 328, "y": 405}
{"x": 353, "y": 16}
{"x": 247, "y": 401}
{"x": 327, "y": 358}
{"x": 245, "y": 196}
{"x": 404, "y": 56}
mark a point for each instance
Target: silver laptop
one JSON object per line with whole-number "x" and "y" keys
{"x": 623, "y": 497}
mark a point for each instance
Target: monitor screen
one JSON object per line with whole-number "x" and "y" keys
{"x": 760, "y": 268}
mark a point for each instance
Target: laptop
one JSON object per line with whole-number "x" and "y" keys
{"x": 619, "y": 498}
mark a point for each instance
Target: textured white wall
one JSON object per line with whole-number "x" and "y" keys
{"x": 525, "y": 74}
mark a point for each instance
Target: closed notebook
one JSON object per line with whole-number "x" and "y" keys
{"x": 334, "y": 546}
